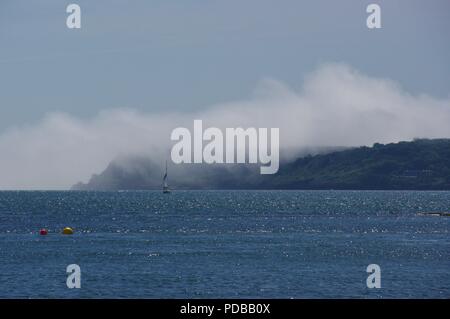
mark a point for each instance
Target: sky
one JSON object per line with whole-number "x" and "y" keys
{"x": 78, "y": 97}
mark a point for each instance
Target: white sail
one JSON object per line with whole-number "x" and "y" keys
{"x": 165, "y": 184}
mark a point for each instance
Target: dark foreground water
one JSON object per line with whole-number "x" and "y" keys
{"x": 214, "y": 244}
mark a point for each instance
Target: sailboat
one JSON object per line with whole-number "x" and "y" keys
{"x": 166, "y": 189}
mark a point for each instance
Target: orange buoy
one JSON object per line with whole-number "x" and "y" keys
{"x": 43, "y": 232}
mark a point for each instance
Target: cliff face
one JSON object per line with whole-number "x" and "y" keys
{"x": 140, "y": 173}
{"x": 421, "y": 164}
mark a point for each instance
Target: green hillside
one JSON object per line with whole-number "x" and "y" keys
{"x": 421, "y": 164}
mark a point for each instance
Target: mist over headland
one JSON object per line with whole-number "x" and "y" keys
{"x": 335, "y": 106}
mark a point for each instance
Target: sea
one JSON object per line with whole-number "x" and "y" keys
{"x": 225, "y": 244}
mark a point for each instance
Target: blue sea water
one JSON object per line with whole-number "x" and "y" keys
{"x": 225, "y": 244}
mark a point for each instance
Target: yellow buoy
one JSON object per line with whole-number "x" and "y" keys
{"x": 67, "y": 231}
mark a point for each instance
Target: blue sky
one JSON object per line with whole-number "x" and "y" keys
{"x": 155, "y": 56}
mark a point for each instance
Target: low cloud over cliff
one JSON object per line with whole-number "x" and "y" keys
{"x": 335, "y": 106}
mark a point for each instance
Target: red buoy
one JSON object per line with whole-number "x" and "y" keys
{"x": 43, "y": 231}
